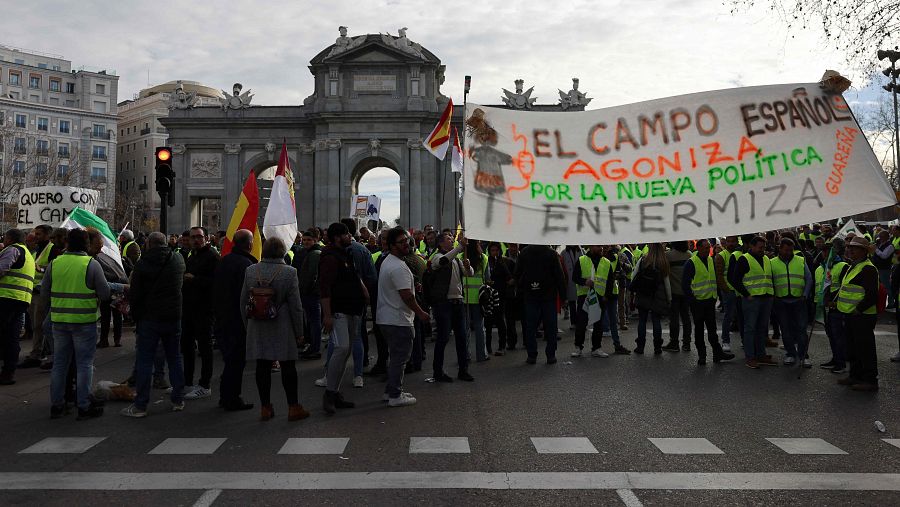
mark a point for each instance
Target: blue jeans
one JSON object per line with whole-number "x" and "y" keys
{"x": 610, "y": 318}
{"x": 729, "y": 302}
{"x": 792, "y": 316}
{"x": 344, "y": 335}
{"x": 150, "y": 334}
{"x": 80, "y": 341}
{"x": 475, "y": 321}
{"x": 400, "y": 343}
{"x": 450, "y": 316}
{"x": 643, "y": 314}
{"x": 837, "y": 339}
{"x": 756, "y": 325}
{"x": 312, "y": 309}
{"x": 540, "y": 310}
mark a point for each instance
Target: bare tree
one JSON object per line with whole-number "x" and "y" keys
{"x": 878, "y": 123}
{"x": 857, "y": 28}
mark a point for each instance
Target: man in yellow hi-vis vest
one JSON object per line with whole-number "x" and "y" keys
{"x": 698, "y": 282}
{"x": 856, "y": 300}
{"x": 752, "y": 279}
{"x": 38, "y": 313}
{"x": 16, "y": 284}
{"x": 72, "y": 286}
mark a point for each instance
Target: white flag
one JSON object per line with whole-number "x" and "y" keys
{"x": 281, "y": 214}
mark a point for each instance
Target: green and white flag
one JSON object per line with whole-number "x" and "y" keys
{"x": 80, "y": 218}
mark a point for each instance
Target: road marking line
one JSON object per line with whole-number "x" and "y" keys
{"x": 563, "y": 445}
{"x": 893, "y": 441}
{"x": 207, "y": 498}
{"x": 439, "y": 445}
{"x": 112, "y": 481}
{"x": 188, "y": 446}
{"x": 629, "y": 498}
{"x": 805, "y": 446}
{"x": 63, "y": 445}
{"x": 685, "y": 446}
{"x": 314, "y": 446}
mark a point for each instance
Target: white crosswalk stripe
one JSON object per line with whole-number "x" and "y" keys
{"x": 685, "y": 446}
{"x": 805, "y": 446}
{"x": 314, "y": 446}
{"x": 63, "y": 445}
{"x": 188, "y": 446}
{"x": 563, "y": 445}
{"x": 439, "y": 445}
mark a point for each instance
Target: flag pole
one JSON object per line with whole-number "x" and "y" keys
{"x": 467, "y": 84}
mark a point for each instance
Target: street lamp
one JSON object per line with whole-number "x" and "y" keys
{"x": 893, "y": 73}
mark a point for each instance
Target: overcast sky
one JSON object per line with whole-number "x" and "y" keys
{"x": 622, "y": 51}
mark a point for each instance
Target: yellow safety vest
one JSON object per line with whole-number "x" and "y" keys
{"x": 589, "y": 273}
{"x": 836, "y": 277}
{"x": 472, "y": 284}
{"x": 71, "y": 301}
{"x": 703, "y": 285}
{"x": 42, "y": 261}
{"x": 850, "y": 294}
{"x": 376, "y": 255}
{"x": 788, "y": 279}
{"x": 758, "y": 280}
{"x": 896, "y": 243}
{"x": 820, "y": 283}
{"x": 125, "y": 248}
{"x": 18, "y": 284}
{"x": 290, "y": 254}
{"x": 728, "y": 257}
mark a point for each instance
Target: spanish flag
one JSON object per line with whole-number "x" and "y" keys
{"x": 439, "y": 139}
{"x": 245, "y": 216}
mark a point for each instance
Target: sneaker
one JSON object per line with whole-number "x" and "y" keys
{"x": 806, "y": 363}
{"x": 576, "y": 353}
{"x": 671, "y": 347}
{"x": 895, "y": 358}
{"x": 199, "y": 392}
{"x": 726, "y": 347}
{"x": 443, "y": 377}
{"x": 385, "y": 397}
{"x": 358, "y": 382}
{"x": 686, "y": 347}
{"x": 321, "y": 382}
{"x": 465, "y": 376}
{"x": 839, "y": 370}
{"x": 401, "y": 401}
{"x": 827, "y": 366}
{"x": 789, "y": 360}
{"x": 767, "y": 361}
{"x": 133, "y": 411}
{"x": 184, "y": 390}
{"x": 753, "y": 364}
{"x": 276, "y": 367}
{"x": 89, "y": 413}
{"x": 599, "y": 353}
{"x": 178, "y": 407}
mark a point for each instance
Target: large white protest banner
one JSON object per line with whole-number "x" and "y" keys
{"x": 51, "y": 205}
{"x": 708, "y": 164}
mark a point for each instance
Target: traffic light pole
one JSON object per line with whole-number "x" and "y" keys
{"x": 163, "y": 214}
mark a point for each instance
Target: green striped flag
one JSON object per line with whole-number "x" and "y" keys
{"x": 82, "y": 219}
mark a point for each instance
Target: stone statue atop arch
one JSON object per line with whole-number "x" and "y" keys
{"x": 573, "y": 98}
{"x": 181, "y": 99}
{"x": 237, "y": 100}
{"x": 519, "y": 100}
{"x": 344, "y": 43}
{"x": 402, "y": 43}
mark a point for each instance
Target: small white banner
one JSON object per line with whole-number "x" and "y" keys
{"x": 365, "y": 207}
{"x": 51, "y": 205}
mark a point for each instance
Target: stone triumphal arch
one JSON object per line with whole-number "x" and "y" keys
{"x": 376, "y": 97}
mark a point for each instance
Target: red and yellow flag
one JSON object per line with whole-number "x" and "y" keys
{"x": 439, "y": 140}
{"x": 246, "y": 216}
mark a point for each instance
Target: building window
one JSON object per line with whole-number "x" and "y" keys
{"x": 70, "y": 87}
{"x": 19, "y": 167}
{"x": 98, "y": 173}
{"x": 42, "y": 146}
{"x": 98, "y": 153}
{"x": 145, "y": 161}
{"x": 21, "y": 121}
{"x": 63, "y": 150}
{"x": 54, "y": 85}
{"x": 65, "y": 127}
{"x": 40, "y": 169}
{"x": 99, "y": 131}
{"x": 100, "y": 89}
{"x": 99, "y": 107}
{"x": 19, "y": 146}
{"x": 145, "y": 143}
{"x": 42, "y": 65}
{"x": 15, "y": 79}
{"x": 43, "y": 124}
{"x": 20, "y": 61}
{"x": 55, "y": 67}
{"x": 34, "y": 81}
{"x": 62, "y": 170}
{"x": 122, "y": 132}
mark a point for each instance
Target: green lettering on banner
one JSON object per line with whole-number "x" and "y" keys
{"x": 590, "y": 194}
{"x": 763, "y": 166}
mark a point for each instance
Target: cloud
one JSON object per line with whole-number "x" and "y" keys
{"x": 384, "y": 183}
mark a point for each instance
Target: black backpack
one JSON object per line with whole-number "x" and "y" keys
{"x": 646, "y": 281}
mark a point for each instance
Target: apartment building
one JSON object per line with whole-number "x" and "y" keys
{"x": 57, "y": 125}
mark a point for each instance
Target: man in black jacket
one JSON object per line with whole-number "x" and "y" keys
{"x": 230, "y": 332}
{"x": 541, "y": 283}
{"x": 198, "y": 312}
{"x": 155, "y": 297}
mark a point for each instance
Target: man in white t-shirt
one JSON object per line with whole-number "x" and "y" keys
{"x": 395, "y": 314}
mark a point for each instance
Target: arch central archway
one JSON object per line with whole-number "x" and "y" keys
{"x": 379, "y": 176}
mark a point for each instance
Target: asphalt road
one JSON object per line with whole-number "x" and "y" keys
{"x": 612, "y": 408}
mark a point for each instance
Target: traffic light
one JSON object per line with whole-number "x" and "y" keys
{"x": 165, "y": 175}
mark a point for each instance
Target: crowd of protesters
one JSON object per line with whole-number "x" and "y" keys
{"x": 415, "y": 287}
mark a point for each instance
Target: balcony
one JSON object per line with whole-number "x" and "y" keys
{"x": 63, "y": 153}
{"x": 98, "y": 156}
{"x": 19, "y": 150}
{"x": 98, "y": 179}
{"x": 145, "y": 131}
{"x": 42, "y": 152}
{"x": 101, "y": 135}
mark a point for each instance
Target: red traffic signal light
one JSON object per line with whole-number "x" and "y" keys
{"x": 163, "y": 154}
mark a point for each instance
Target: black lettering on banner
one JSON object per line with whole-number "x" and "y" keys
{"x": 732, "y": 198}
{"x": 646, "y": 218}
{"x": 749, "y": 118}
{"x": 752, "y": 204}
{"x": 812, "y": 195}
{"x": 772, "y": 211}
{"x": 613, "y": 218}
{"x": 585, "y": 216}
{"x": 550, "y": 214}
{"x": 684, "y": 216}
{"x": 708, "y": 112}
